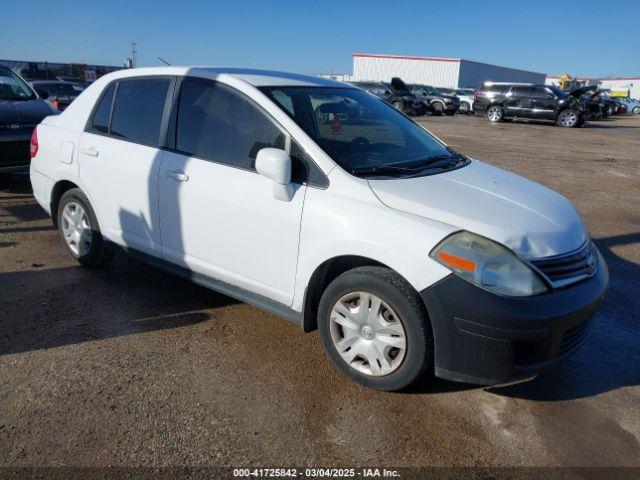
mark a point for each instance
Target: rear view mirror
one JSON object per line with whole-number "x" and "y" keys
{"x": 275, "y": 164}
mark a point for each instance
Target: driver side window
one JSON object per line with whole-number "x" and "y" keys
{"x": 215, "y": 122}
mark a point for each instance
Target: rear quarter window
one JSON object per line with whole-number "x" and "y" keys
{"x": 100, "y": 122}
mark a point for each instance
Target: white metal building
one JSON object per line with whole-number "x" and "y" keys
{"x": 435, "y": 71}
{"x": 628, "y": 84}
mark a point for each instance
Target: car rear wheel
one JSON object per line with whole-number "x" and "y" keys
{"x": 568, "y": 119}
{"x": 636, "y": 110}
{"x": 465, "y": 107}
{"x": 438, "y": 108}
{"x": 79, "y": 230}
{"x": 375, "y": 329}
{"x": 495, "y": 114}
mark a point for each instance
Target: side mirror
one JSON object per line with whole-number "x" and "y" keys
{"x": 43, "y": 94}
{"x": 275, "y": 164}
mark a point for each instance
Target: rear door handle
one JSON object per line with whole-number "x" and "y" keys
{"x": 179, "y": 176}
{"x": 92, "y": 152}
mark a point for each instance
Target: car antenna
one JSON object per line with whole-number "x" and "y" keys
{"x": 164, "y": 61}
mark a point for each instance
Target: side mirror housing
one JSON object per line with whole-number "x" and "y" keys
{"x": 43, "y": 94}
{"x": 275, "y": 164}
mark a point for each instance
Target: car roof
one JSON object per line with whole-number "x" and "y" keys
{"x": 257, "y": 78}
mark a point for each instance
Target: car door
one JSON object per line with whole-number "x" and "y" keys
{"x": 120, "y": 160}
{"x": 543, "y": 102}
{"x": 518, "y": 101}
{"x": 218, "y": 216}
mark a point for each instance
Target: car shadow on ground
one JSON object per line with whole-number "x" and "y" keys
{"x": 18, "y": 185}
{"x": 48, "y": 308}
{"x": 597, "y": 125}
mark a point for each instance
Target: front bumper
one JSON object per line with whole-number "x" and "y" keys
{"x": 14, "y": 150}
{"x": 488, "y": 339}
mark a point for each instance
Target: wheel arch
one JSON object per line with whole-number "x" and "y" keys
{"x": 323, "y": 275}
{"x": 59, "y": 189}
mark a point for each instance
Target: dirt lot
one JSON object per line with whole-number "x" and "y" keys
{"x": 131, "y": 366}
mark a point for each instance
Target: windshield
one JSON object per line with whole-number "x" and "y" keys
{"x": 363, "y": 134}
{"x": 12, "y": 87}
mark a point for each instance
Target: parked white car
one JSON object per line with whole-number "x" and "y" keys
{"x": 406, "y": 255}
{"x": 466, "y": 98}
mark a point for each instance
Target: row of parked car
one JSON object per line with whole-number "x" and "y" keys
{"x": 502, "y": 100}
{"x": 415, "y": 99}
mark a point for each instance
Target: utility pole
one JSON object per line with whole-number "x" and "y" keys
{"x": 134, "y": 54}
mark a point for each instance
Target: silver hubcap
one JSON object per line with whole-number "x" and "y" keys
{"x": 76, "y": 228}
{"x": 368, "y": 334}
{"x": 568, "y": 118}
{"x": 494, "y": 114}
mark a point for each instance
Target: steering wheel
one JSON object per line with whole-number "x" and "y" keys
{"x": 360, "y": 142}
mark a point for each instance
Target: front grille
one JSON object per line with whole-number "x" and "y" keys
{"x": 14, "y": 152}
{"x": 574, "y": 336}
{"x": 563, "y": 270}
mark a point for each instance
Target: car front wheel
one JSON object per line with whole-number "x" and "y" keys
{"x": 465, "y": 107}
{"x": 568, "y": 119}
{"x": 636, "y": 110}
{"x": 398, "y": 106}
{"x": 79, "y": 230}
{"x": 375, "y": 329}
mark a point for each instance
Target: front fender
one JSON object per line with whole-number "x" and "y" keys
{"x": 360, "y": 225}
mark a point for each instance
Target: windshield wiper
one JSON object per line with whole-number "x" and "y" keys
{"x": 381, "y": 170}
{"x": 451, "y": 158}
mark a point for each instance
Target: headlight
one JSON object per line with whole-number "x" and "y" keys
{"x": 487, "y": 264}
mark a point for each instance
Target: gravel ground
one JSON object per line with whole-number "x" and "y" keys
{"x": 132, "y": 366}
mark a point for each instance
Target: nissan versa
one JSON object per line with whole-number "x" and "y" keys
{"x": 406, "y": 255}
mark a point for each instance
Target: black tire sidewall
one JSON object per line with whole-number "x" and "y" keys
{"x": 96, "y": 254}
{"x": 419, "y": 354}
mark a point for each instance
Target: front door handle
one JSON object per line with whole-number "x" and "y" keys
{"x": 92, "y": 152}
{"x": 179, "y": 176}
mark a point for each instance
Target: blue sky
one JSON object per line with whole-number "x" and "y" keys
{"x": 582, "y": 38}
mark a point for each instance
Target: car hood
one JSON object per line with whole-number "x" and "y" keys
{"x": 24, "y": 112}
{"x": 528, "y": 218}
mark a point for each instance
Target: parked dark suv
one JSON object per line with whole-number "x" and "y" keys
{"x": 20, "y": 111}
{"x": 528, "y": 101}
{"x": 438, "y": 101}
{"x": 396, "y": 94}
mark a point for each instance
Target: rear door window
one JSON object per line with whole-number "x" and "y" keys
{"x": 138, "y": 109}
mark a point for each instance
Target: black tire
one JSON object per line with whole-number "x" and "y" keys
{"x": 410, "y": 310}
{"x": 465, "y": 107}
{"x": 97, "y": 254}
{"x": 494, "y": 114}
{"x": 636, "y": 110}
{"x": 568, "y": 118}
{"x": 438, "y": 108}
